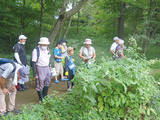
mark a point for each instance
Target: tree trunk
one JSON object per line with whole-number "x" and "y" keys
{"x": 78, "y": 23}
{"x": 41, "y": 19}
{"x": 121, "y": 20}
{"x": 69, "y": 23}
{"x": 60, "y": 33}
{"x": 22, "y": 17}
{"x": 64, "y": 17}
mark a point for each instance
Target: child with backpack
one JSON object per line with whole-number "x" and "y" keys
{"x": 58, "y": 62}
{"x": 69, "y": 68}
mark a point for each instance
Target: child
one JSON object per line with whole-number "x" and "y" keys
{"x": 69, "y": 68}
{"x": 57, "y": 62}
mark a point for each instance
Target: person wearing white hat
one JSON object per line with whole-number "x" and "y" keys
{"x": 113, "y": 46}
{"x": 21, "y": 57}
{"x": 119, "y": 50}
{"x": 41, "y": 67}
{"x": 87, "y": 52}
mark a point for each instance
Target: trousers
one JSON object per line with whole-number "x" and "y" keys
{"x": 12, "y": 97}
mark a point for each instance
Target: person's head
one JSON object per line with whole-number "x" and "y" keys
{"x": 63, "y": 41}
{"x": 116, "y": 39}
{"x": 22, "y": 39}
{"x": 70, "y": 50}
{"x": 23, "y": 73}
{"x": 87, "y": 43}
{"x": 44, "y": 42}
{"x": 120, "y": 42}
{"x": 59, "y": 44}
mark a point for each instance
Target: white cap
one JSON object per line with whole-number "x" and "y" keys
{"x": 44, "y": 40}
{"x": 115, "y": 38}
{"x": 22, "y": 37}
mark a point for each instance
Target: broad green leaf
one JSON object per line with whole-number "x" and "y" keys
{"x": 100, "y": 104}
{"x": 99, "y": 98}
{"x": 106, "y": 83}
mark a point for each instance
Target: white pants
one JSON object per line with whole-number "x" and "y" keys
{"x": 12, "y": 97}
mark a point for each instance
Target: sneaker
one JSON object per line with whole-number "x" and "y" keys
{"x": 64, "y": 79}
{"x": 14, "y": 111}
{"x": 56, "y": 81}
{"x": 69, "y": 89}
{"x": 72, "y": 87}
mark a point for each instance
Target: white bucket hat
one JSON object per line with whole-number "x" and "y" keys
{"x": 22, "y": 37}
{"x": 88, "y": 41}
{"x": 44, "y": 40}
{"x": 120, "y": 41}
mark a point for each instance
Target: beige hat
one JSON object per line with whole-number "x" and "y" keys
{"x": 44, "y": 40}
{"x": 70, "y": 48}
{"x": 87, "y": 41}
{"x": 120, "y": 41}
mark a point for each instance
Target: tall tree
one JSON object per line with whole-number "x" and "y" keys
{"x": 121, "y": 20}
{"x": 64, "y": 17}
{"x": 41, "y": 19}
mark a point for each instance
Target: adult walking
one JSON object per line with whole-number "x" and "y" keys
{"x": 41, "y": 67}
{"x": 113, "y": 47}
{"x": 10, "y": 73}
{"x": 87, "y": 52}
{"x": 21, "y": 57}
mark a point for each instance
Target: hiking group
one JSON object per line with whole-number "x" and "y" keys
{"x": 15, "y": 74}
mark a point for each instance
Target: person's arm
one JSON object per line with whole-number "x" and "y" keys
{"x": 57, "y": 56}
{"x": 112, "y": 52}
{"x": 80, "y": 55}
{"x": 16, "y": 55}
{"x": 124, "y": 56}
{"x": 2, "y": 84}
{"x": 94, "y": 55}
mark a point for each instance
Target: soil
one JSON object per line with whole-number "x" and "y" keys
{"x": 30, "y": 95}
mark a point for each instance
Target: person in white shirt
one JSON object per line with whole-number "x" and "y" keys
{"x": 41, "y": 67}
{"x": 113, "y": 47}
{"x": 10, "y": 73}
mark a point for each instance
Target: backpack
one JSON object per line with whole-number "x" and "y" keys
{"x": 38, "y": 54}
{"x": 63, "y": 61}
{"x": 6, "y": 60}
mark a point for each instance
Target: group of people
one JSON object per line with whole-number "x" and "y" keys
{"x": 40, "y": 63}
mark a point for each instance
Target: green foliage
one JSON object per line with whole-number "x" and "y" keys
{"x": 119, "y": 89}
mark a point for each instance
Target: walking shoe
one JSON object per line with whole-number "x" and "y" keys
{"x": 24, "y": 87}
{"x": 56, "y": 81}
{"x": 64, "y": 79}
{"x": 14, "y": 111}
{"x": 69, "y": 89}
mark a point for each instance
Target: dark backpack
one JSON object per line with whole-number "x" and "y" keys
{"x": 38, "y": 54}
{"x": 6, "y": 60}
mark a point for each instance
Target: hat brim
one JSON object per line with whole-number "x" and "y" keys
{"x": 45, "y": 43}
{"x": 87, "y": 43}
{"x": 25, "y": 79}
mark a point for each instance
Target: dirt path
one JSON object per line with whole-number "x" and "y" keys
{"x": 30, "y": 95}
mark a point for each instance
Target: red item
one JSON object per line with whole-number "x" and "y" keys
{"x": 17, "y": 85}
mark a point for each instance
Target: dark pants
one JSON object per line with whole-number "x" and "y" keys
{"x": 70, "y": 77}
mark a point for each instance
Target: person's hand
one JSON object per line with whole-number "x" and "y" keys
{"x": 50, "y": 68}
{"x": 84, "y": 59}
{"x": 36, "y": 77}
{"x": 66, "y": 73}
{"x": 13, "y": 89}
{"x": 5, "y": 91}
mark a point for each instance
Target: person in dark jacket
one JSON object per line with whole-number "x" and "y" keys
{"x": 21, "y": 57}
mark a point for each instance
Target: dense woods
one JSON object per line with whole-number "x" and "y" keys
{"x": 36, "y": 18}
